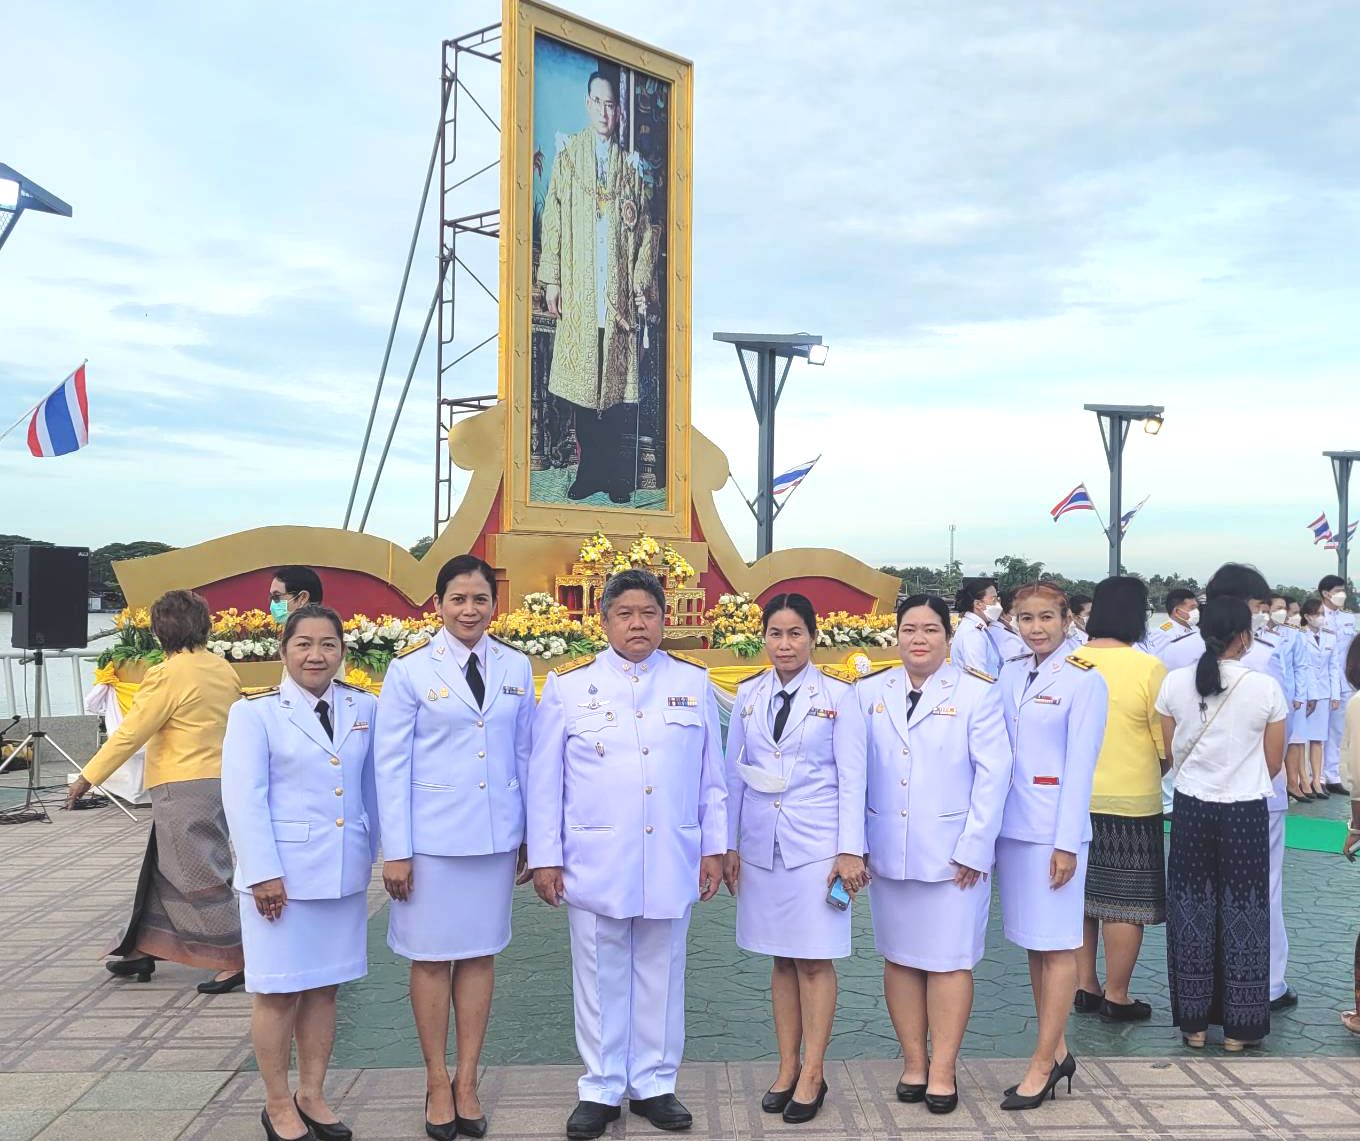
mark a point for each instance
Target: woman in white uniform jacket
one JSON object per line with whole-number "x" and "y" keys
{"x": 1055, "y": 715}
{"x": 939, "y": 769}
{"x": 795, "y": 817}
{"x": 452, "y": 756}
{"x": 298, "y": 790}
{"x": 977, "y": 644}
{"x": 1316, "y": 687}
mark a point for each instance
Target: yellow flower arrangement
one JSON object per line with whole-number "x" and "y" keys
{"x": 542, "y": 627}
{"x": 735, "y": 621}
{"x": 595, "y": 549}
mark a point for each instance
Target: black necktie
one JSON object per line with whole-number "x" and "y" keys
{"x": 912, "y": 698}
{"x": 323, "y": 714}
{"x": 1032, "y": 675}
{"x": 474, "y": 680}
{"x": 781, "y": 715}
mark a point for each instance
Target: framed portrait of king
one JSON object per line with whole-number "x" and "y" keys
{"x": 595, "y": 277}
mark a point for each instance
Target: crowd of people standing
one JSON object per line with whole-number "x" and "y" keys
{"x": 1030, "y": 743}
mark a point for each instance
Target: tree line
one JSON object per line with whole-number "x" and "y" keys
{"x": 102, "y": 580}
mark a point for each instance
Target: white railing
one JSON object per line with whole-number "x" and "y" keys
{"x": 67, "y": 681}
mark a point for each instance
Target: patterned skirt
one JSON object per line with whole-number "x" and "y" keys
{"x": 185, "y": 909}
{"x": 1218, "y": 917}
{"x": 1126, "y": 869}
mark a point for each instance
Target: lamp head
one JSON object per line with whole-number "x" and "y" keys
{"x": 817, "y": 354}
{"x": 9, "y": 194}
{"x": 1152, "y": 425}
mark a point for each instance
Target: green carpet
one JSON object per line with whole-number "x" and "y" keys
{"x": 1306, "y": 832}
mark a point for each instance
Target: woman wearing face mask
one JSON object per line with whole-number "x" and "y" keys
{"x": 795, "y": 815}
{"x": 1055, "y": 714}
{"x": 452, "y": 756}
{"x": 298, "y": 788}
{"x": 976, "y": 643}
{"x": 1224, "y": 725}
{"x": 1294, "y": 617}
{"x": 292, "y": 588}
{"x": 1080, "y": 605}
{"x": 939, "y": 770}
{"x": 1314, "y": 691}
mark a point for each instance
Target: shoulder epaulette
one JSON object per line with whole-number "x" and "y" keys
{"x": 1017, "y": 658}
{"x": 1168, "y": 626}
{"x": 1187, "y": 634}
{"x": 979, "y": 674}
{"x": 503, "y": 642}
{"x": 413, "y": 647}
{"x": 840, "y": 673}
{"x": 875, "y": 671}
{"x": 679, "y": 657}
{"x": 755, "y": 674}
{"x": 1080, "y": 662}
{"x": 258, "y": 691}
{"x": 349, "y": 685}
{"x": 574, "y": 664}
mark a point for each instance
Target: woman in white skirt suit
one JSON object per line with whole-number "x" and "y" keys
{"x": 298, "y": 790}
{"x": 1317, "y": 688}
{"x": 795, "y": 814}
{"x": 452, "y": 757}
{"x": 939, "y": 768}
{"x": 1055, "y": 706}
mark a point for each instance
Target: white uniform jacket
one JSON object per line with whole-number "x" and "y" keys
{"x": 300, "y": 806}
{"x": 1057, "y": 726}
{"x": 451, "y": 775}
{"x": 976, "y": 646}
{"x": 936, "y": 784}
{"x": 1176, "y": 645}
{"x": 1315, "y": 679}
{"x": 627, "y": 787}
{"x": 1342, "y": 625}
{"x": 1272, "y": 652}
{"x": 821, "y": 755}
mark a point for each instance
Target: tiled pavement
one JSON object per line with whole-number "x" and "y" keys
{"x": 84, "y": 1055}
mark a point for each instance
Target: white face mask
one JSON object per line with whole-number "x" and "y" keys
{"x": 1279, "y": 617}
{"x": 1192, "y": 619}
{"x": 1337, "y": 598}
{"x": 1315, "y": 621}
{"x": 992, "y": 611}
{"x": 1292, "y": 620}
{"x": 1258, "y": 620}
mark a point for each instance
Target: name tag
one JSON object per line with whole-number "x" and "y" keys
{"x": 683, "y": 702}
{"x": 359, "y": 726}
{"x": 1047, "y": 699}
{"x": 513, "y": 690}
{"x": 944, "y": 711}
{"x": 1046, "y": 780}
{"x": 829, "y": 714}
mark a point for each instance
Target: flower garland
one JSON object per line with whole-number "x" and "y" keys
{"x": 839, "y": 629}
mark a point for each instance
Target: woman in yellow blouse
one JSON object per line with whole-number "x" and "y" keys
{"x": 185, "y": 909}
{"x": 1126, "y": 876}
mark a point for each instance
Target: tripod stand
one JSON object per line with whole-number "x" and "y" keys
{"x": 36, "y": 736}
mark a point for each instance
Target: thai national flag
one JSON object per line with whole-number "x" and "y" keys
{"x": 1078, "y": 499}
{"x": 1320, "y": 528}
{"x": 1335, "y": 543}
{"x": 61, "y": 423}
{"x": 785, "y": 483}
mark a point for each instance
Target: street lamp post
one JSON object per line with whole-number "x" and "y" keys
{"x": 1341, "y": 472}
{"x": 18, "y": 194}
{"x": 769, "y": 349}
{"x": 1114, "y": 431}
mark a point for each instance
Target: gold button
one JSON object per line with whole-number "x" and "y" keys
{"x": 481, "y": 752}
{"x": 335, "y": 760}
{"x": 481, "y": 784}
{"x": 904, "y": 812}
{"x": 339, "y": 821}
{"x": 904, "y": 752}
{"x": 904, "y": 781}
{"x": 649, "y": 829}
{"x": 645, "y": 750}
{"x": 639, "y": 712}
{"x": 479, "y": 725}
{"x": 778, "y": 755}
{"x": 339, "y": 792}
{"x": 609, "y": 717}
{"x": 776, "y": 804}
{"x": 648, "y": 790}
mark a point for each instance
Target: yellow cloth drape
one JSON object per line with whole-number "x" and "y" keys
{"x": 125, "y": 691}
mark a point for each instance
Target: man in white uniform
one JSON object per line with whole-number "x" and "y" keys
{"x": 1340, "y": 622}
{"x": 1176, "y": 641}
{"x": 627, "y": 826}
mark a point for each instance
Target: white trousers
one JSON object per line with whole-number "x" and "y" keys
{"x": 1279, "y": 938}
{"x": 1331, "y": 751}
{"x": 628, "y": 983}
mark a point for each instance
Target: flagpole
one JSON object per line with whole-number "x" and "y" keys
{"x": 778, "y": 507}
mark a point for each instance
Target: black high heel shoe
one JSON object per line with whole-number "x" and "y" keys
{"x": 1015, "y": 1100}
{"x": 943, "y": 1102}
{"x": 445, "y": 1130}
{"x": 775, "y": 1100}
{"x": 144, "y": 966}
{"x": 334, "y": 1131}
{"x": 799, "y": 1112}
{"x": 911, "y": 1092}
{"x": 472, "y": 1126}
{"x": 222, "y": 986}
{"x": 273, "y": 1135}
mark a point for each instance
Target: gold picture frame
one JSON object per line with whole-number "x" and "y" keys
{"x": 522, "y": 22}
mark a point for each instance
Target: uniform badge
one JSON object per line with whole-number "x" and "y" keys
{"x": 878, "y": 708}
{"x": 360, "y": 726}
{"x": 443, "y": 691}
{"x": 592, "y": 690}
{"x": 683, "y": 702}
{"x": 513, "y": 690}
{"x": 748, "y": 711}
{"x": 944, "y": 711}
{"x": 433, "y": 696}
{"x": 599, "y": 748}
{"x": 829, "y": 714}
{"x": 1047, "y": 699}
{"x": 1046, "y": 780}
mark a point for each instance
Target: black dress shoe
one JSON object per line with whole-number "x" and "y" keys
{"x": 1087, "y": 1002}
{"x": 335, "y": 1131}
{"x": 911, "y": 1092}
{"x": 664, "y": 1111}
{"x": 1286, "y": 1000}
{"x": 942, "y": 1102}
{"x": 273, "y": 1135}
{"x": 590, "y": 1119}
{"x": 1135, "y": 1011}
{"x": 445, "y": 1130}
{"x": 213, "y": 986}
{"x": 798, "y": 1112}
{"x": 144, "y": 966}
{"x": 471, "y": 1126}
{"x": 1337, "y": 789}
{"x": 775, "y": 1100}
{"x": 1321, "y": 794}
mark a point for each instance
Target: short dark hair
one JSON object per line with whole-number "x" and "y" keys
{"x": 1077, "y": 601}
{"x": 633, "y": 579}
{"x": 1276, "y": 596}
{"x": 1176, "y": 595}
{"x": 1239, "y": 580}
{"x": 609, "y": 74}
{"x": 1330, "y": 582}
{"x": 1221, "y": 620}
{"x": 464, "y": 564}
{"x": 934, "y": 601}
{"x": 1119, "y": 610}
{"x": 795, "y": 602}
{"x": 970, "y": 591}
{"x": 311, "y": 610}
{"x": 180, "y": 620}
{"x": 298, "y": 578}
{"x": 1310, "y": 605}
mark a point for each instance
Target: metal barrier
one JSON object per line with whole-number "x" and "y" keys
{"x": 16, "y": 668}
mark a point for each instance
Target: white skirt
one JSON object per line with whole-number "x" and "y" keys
{"x": 930, "y": 926}
{"x": 459, "y": 908}
{"x": 314, "y": 943}
{"x": 784, "y": 912}
{"x": 1034, "y": 915}
{"x": 1305, "y": 727}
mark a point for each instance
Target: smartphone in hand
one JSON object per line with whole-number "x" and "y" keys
{"x": 837, "y": 896}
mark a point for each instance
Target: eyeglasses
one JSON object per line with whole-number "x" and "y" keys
{"x": 603, "y": 104}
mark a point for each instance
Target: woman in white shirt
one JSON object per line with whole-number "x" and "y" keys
{"x": 1224, "y": 727}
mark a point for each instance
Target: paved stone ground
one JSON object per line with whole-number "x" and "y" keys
{"x": 85, "y": 1055}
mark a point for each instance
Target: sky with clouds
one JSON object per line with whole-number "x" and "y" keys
{"x": 994, "y": 213}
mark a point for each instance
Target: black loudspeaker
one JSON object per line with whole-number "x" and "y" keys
{"x": 51, "y": 597}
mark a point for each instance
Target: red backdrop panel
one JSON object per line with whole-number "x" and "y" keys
{"x": 349, "y": 592}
